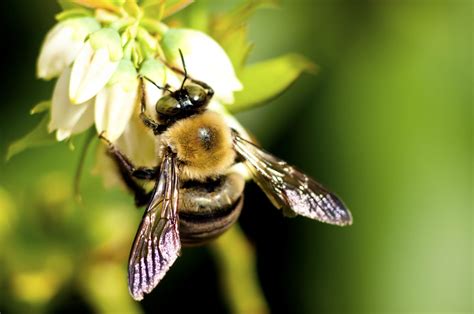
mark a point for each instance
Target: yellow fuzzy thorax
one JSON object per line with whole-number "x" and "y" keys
{"x": 203, "y": 145}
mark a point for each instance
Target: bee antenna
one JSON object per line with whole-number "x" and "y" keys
{"x": 184, "y": 68}
{"x": 156, "y": 85}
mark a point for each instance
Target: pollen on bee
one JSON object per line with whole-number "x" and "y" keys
{"x": 203, "y": 145}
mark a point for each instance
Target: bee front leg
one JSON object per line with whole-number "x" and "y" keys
{"x": 124, "y": 163}
{"x": 129, "y": 172}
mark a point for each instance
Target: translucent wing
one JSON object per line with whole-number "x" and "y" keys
{"x": 290, "y": 189}
{"x": 157, "y": 244}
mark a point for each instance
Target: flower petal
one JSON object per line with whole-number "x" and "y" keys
{"x": 115, "y": 103}
{"x": 62, "y": 44}
{"x": 157, "y": 72}
{"x": 205, "y": 60}
{"x": 139, "y": 143}
{"x": 67, "y": 118}
{"x": 94, "y": 65}
{"x": 90, "y": 72}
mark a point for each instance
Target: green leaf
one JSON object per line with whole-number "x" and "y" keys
{"x": 41, "y": 107}
{"x": 229, "y": 22}
{"x": 237, "y": 47}
{"x": 39, "y": 136}
{"x": 230, "y": 30}
{"x": 266, "y": 80}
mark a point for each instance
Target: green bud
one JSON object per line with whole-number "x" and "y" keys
{"x": 110, "y": 39}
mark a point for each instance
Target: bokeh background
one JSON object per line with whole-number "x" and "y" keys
{"x": 386, "y": 124}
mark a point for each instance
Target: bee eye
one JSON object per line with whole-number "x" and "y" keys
{"x": 168, "y": 106}
{"x": 196, "y": 94}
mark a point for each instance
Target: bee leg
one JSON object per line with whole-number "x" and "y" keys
{"x": 142, "y": 197}
{"x": 125, "y": 165}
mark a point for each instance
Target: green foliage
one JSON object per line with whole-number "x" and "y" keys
{"x": 39, "y": 136}
{"x": 231, "y": 29}
{"x": 266, "y": 80}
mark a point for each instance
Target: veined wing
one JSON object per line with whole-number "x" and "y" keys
{"x": 157, "y": 244}
{"x": 290, "y": 189}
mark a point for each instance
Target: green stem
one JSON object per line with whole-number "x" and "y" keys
{"x": 80, "y": 167}
{"x": 236, "y": 262}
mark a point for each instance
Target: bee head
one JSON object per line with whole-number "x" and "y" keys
{"x": 187, "y": 100}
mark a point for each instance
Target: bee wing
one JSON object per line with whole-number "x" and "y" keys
{"x": 157, "y": 244}
{"x": 289, "y": 188}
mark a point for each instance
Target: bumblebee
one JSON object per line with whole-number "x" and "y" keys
{"x": 196, "y": 196}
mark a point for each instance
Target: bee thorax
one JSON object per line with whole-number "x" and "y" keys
{"x": 203, "y": 145}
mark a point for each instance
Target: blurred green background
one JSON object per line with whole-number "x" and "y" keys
{"x": 386, "y": 124}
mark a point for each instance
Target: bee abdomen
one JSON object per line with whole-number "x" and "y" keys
{"x": 207, "y": 209}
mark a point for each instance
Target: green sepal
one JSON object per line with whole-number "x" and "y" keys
{"x": 72, "y": 13}
{"x": 132, "y": 8}
{"x": 41, "y": 107}
{"x": 153, "y": 70}
{"x": 153, "y": 9}
{"x": 266, "y": 80}
{"x": 159, "y": 9}
{"x": 68, "y": 4}
{"x": 39, "y": 136}
{"x": 110, "y": 39}
{"x": 125, "y": 74}
{"x": 147, "y": 42}
{"x": 113, "y": 5}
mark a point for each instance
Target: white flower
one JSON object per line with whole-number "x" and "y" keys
{"x": 115, "y": 103}
{"x": 67, "y": 118}
{"x": 155, "y": 71}
{"x": 61, "y": 45}
{"x": 205, "y": 61}
{"x": 160, "y": 75}
{"x": 95, "y": 64}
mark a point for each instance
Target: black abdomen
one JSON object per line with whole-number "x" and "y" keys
{"x": 207, "y": 209}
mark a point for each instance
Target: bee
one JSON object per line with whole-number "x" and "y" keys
{"x": 197, "y": 196}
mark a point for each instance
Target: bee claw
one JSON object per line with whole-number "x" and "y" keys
{"x": 104, "y": 139}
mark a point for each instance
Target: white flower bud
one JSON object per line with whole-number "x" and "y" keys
{"x": 67, "y": 118}
{"x": 62, "y": 44}
{"x": 115, "y": 103}
{"x": 205, "y": 61}
{"x": 94, "y": 65}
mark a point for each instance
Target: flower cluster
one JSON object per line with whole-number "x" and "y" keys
{"x": 100, "y": 59}
{"x": 100, "y": 50}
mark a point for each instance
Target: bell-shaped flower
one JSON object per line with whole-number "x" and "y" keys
{"x": 62, "y": 44}
{"x": 205, "y": 60}
{"x": 156, "y": 77}
{"x": 154, "y": 71}
{"x": 67, "y": 118}
{"x": 95, "y": 64}
{"x": 115, "y": 103}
